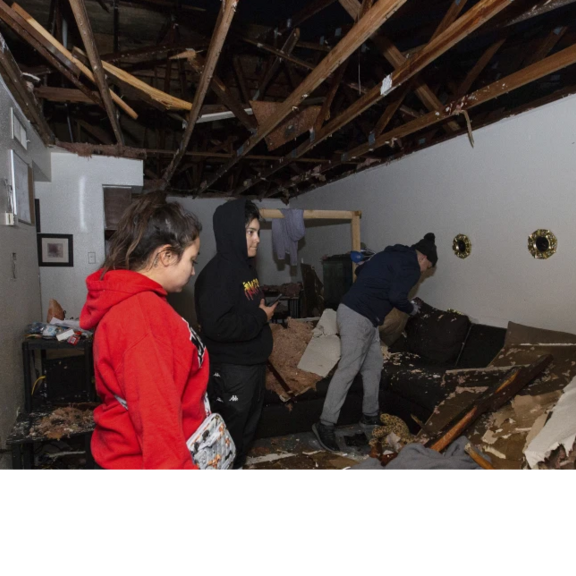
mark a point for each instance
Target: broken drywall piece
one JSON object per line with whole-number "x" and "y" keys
{"x": 559, "y": 430}
{"x": 321, "y": 355}
{"x": 327, "y": 325}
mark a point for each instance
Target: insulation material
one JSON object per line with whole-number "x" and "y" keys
{"x": 289, "y": 345}
{"x": 63, "y": 422}
{"x": 289, "y": 130}
{"x": 393, "y": 326}
{"x": 560, "y": 430}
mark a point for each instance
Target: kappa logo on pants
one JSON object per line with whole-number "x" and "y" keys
{"x": 234, "y": 398}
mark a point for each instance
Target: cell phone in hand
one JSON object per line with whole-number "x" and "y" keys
{"x": 274, "y": 300}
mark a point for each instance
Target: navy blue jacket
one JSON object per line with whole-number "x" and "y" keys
{"x": 383, "y": 283}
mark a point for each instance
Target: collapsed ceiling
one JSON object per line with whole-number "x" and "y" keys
{"x": 259, "y": 98}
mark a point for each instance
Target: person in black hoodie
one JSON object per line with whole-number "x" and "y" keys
{"x": 233, "y": 319}
{"x": 383, "y": 283}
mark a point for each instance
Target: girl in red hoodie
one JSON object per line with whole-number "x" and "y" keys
{"x": 151, "y": 368}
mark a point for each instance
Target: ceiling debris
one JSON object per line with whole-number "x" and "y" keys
{"x": 341, "y": 85}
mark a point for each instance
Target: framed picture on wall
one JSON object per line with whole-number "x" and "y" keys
{"x": 23, "y": 187}
{"x": 55, "y": 250}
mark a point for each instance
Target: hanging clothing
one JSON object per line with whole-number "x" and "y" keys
{"x": 286, "y": 232}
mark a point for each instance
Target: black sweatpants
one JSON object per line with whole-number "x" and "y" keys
{"x": 236, "y": 392}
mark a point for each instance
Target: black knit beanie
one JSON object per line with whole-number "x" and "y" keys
{"x": 427, "y": 247}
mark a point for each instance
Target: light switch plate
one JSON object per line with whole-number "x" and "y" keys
{"x": 8, "y": 219}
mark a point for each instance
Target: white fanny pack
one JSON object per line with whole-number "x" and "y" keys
{"x": 211, "y": 446}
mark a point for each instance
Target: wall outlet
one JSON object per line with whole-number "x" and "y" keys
{"x": 91, "y": 257}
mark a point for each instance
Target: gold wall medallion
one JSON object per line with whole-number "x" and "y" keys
{"x": 462, "y": 246}
{"x": 542, "y": 244}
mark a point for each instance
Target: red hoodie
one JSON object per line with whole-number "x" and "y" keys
{"x": 147, "y": 358}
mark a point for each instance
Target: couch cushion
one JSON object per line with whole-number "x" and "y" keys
{"x": 482, "y": 346}
{"x": 437, "y": 335}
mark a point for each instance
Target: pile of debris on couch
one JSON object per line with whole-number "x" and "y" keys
{"x": 509, "y": 391}
{"x": 505, "y": 397}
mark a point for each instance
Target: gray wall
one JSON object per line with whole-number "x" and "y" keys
{"x": 270, "y": 270}
{"x": 520, "y": 176}
{"x": 73, "y": 203}
{"x": 20, "y": 297}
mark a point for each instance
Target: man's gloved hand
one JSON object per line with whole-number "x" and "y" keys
{"x": 416, "y": 308}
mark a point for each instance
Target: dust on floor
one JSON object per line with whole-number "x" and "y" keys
{"x": 302, "y": 451}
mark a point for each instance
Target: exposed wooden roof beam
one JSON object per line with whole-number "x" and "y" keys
{"x": 396, "y": 59}
{"x": 546, "y": 45}
{"x": 85, "y": 29}
{"x": 288, "y": 58}
{"x": 143, "y": 153}
{"x": 220, "y": 89}
{"x": 15, "y": 81}
{"x": 29, "y": 35}
{"x": 53, "y": 46}
{"x": 379, "y": 13}
{"x": 223, "y": 23}
{"x": 240, "y": 78}
{"x": 287, "y": 48}
{"x": 466, "y": 24}
{"x": 480, "y": 65}
{"x": 537, "y": 9}
{"x": 502, "y": 86}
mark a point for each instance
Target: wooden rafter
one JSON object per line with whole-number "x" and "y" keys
{"x": 466, "y": 24}
{"x": 502, "y": 86}
{"x": 546, "y": 45}
{"x": 220, "y": 89}
{"x": 287, "y": 48}
{"x": 281, "y": 55}
{"x": 85, "y": 28}
{"x": 225, "y": 17}
{"x": 50, "y": 45}
{"x": 365, "y": 27}
{"x": 480, "y": 65}
{"x": 396, "y": 59}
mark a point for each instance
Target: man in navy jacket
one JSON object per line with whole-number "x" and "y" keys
{"x": 383, "y": 283}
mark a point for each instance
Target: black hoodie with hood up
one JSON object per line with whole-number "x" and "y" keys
{"x": 227, "y": 295}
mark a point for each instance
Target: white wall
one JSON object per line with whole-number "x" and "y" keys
{"x": 73, "y": 203}
{"x": 20, "y": 297}
{"x": 520, "y": 176}
{"x": 270, "y": 270}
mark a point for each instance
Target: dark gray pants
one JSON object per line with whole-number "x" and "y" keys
{"x": 361, "y": 352}
{"x": 236, "y": 392}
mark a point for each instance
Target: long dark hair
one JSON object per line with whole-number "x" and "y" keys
{"x": 150, "y": 222}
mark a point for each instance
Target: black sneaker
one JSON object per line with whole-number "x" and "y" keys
{"x": 370, "y": 420}
{"x": 326, "y": 436}
{"x": 368, "y": 423}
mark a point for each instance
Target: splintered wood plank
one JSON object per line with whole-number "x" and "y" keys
{"x": 58, "y": 47}
{"x": 377, "y": 15}
{"x": 85, "y": 28}
{"x": 225, "y": 16}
